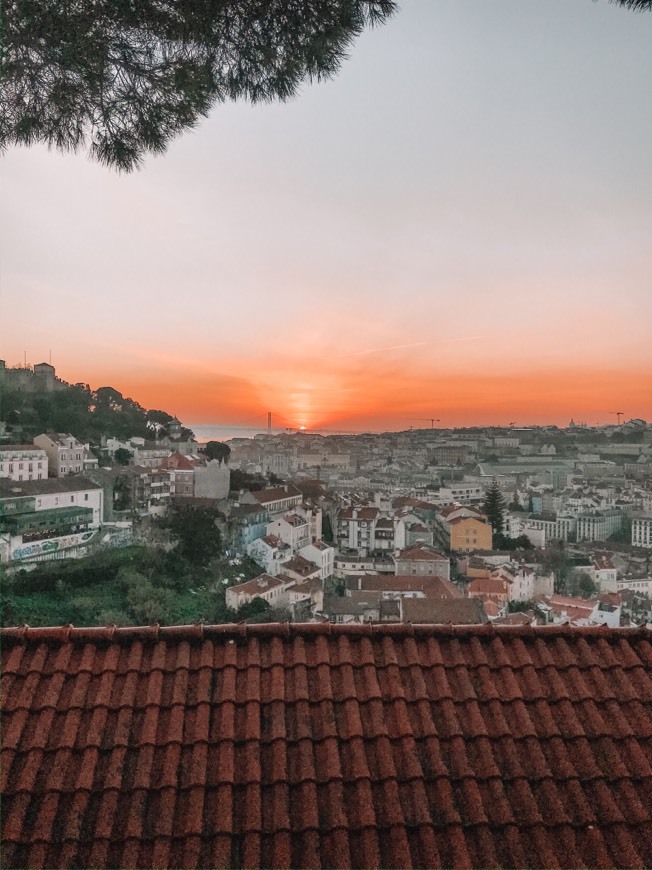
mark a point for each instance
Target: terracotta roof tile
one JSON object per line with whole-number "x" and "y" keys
{"x": 319, "y": 745}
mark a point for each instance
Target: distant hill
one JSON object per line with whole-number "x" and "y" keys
{"x": 32, "y": 402}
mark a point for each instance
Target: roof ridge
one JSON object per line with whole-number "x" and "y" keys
{"x": 231, "y": 631}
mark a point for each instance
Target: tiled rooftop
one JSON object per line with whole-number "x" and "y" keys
{"x": 326, "y": 746}
{"x": 421, "y": 552}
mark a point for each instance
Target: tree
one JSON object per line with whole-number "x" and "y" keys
{"x": 494, "y": 508}
{"x": 217, "y": 450}
{"x": 158, "y": 421}
{"x": 244, "y": 480}
{"x": 256, "y": 610}
{"x": 126, "y": 77}
{"x": 502, "y": 542}
{"x": 515, "y": 504}
{"x": 122, "y": 494}
{"x": 123, "y": 456}
{"x": 557, "y": 562}
{"x": 198, "y": 538}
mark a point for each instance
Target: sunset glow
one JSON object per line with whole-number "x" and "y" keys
{"x": 441, "y": 231}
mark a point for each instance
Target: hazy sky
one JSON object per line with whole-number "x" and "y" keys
{"x": 459, "y": 225}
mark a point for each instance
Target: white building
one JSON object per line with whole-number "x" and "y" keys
{"x": 293, "y": 529}
{"x": 642, "y": 585}
{"x": 642, "y": 530}
{"x": 49, "y": 519}
{"x": 540, "y": 529}
{"x": 275, "y": 500}
{"x": 269, "y": 552}
{"x": 150, "y": 454}
{"x": 212, "y": 480}
{"x": 603, "y": 573}
{"x": 422, "y": 560}
{"x": 598, "y": 525}
{"x": 66, "y": 455}
{"x": 23, "y": 462}
{"x": 356, "y": 527}
{"x": 273, "y": 590}
{"x": 322, "y": 555}
{"x": 463, "y": 493}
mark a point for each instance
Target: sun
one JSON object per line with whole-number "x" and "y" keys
{"x": 302, "y": 428}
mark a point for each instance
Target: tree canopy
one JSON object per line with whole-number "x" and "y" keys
{"x": 198, "y": 538}
{"x": 217, "y": 450}
{"x": 125, "y": 77}
{"x": 87, "y": 414}
{"x": 494, "y": 508}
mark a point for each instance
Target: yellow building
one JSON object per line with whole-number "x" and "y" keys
{"x": 468, "y": 534}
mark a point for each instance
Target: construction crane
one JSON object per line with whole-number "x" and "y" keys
{"x": 619, "y": 414}
{"x": 431, "y": 420}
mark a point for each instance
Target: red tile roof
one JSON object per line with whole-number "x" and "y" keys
{"x": 430, "y": 585}
{"x": 181, "y": 462}
{"x": 421, "y": 553}
{"x": 454, "y": 508}
{"x": 262, "y": 583}
{"x": 457, "y": 611}
{"x": 487, "y": 586}
{"x": 278, "y": 493}
{"x": 456, "y": 520}
{"x": 327, "y": 746}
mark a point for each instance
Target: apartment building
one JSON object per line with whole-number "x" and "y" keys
{"x": 642, "y": 530}
{"x": 66, "y": 455}
{"x": 48, "y": 519}
{"x": 23, "y": 462}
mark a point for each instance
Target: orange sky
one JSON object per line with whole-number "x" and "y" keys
{"x": 457, "y": 225}
{"x": 379, "y": 397}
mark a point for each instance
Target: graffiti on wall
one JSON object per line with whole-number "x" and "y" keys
{"x": 39, "y": 548}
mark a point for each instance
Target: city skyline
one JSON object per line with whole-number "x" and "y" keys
{"x": 456, "y": 226}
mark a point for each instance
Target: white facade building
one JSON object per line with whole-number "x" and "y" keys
{"x": 598, "y": 525}
{"x": 269, "y": 552}
{"x": 48, "y": 519}
{"x": 642, "y": 530}
{"x": 23, "y": 462}
{"x": 66, "y": 455}
{"x": 293, "y": 529}
{"x": 274, "y": 590}
{"x": 321, "y": 555}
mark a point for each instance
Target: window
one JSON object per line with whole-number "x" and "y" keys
{"x": 85, "y": 496}
{"x": 72, "y": 498}
{"x": 63, "y": 457}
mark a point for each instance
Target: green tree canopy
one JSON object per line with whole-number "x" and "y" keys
{"x": 125, "y": 77}
{"x": 217, "y": 450}
{"x": 494, "y": 508}
{"x": 195, "y": 529}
